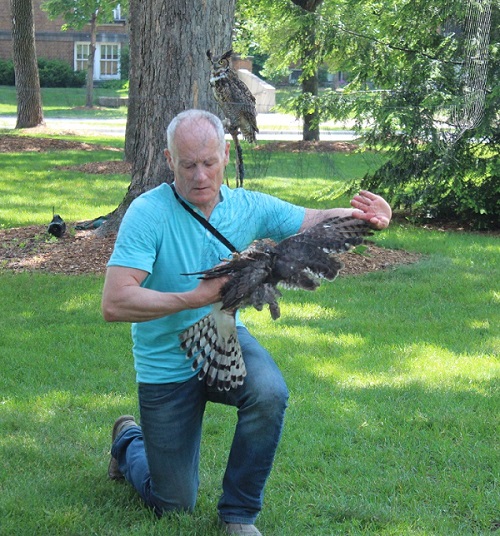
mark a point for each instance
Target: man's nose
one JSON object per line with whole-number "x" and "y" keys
{"x": 200, "y": 173}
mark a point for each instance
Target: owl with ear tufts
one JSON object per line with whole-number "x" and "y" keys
{"x": 237, "y": 103}
{"x": 301, "y": 261}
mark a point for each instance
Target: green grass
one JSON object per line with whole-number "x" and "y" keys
{"x": 301, "y": 177}
{"x": 76, "y": 195}
{"x": 32, "y": 185}
{"x": 394, "y": 378}
{"x": 66, "y": 102}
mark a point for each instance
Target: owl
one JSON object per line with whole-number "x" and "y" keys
{"x": 237, "y": 103}
{"x": 233, "y": 96}
{"x": 301, "y": 261}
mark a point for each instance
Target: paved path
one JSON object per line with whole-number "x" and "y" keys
{"x": 271, "y": 126}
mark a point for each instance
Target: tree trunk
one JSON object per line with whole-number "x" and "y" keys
{"x": 29, "y": 99}
{"x": 133, "y": 80}
{"x": 310, "y": 128}
{"x": 169, "y": 73}
{"x": 90, "y": 64}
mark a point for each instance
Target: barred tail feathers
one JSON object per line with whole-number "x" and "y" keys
{"x": 213, "y": 342}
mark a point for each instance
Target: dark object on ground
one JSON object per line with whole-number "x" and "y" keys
{"x": 57, "y": 227}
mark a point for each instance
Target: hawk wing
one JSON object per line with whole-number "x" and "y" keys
{"x": 300, "y": 261}
{"x": 248, "y": 271}
{"x": 306, "y": 258}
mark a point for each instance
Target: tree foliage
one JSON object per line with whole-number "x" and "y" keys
{"x": 288, "y": 31}
{"x": 406, "y": 64}
{"x": 76, "y": 15}
{"x": 433, "y": 168}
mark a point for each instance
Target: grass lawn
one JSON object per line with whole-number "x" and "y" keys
{"x": 66, "y": 102}
{"x": 394, "y": 377}
{"x": 33, "y": 184}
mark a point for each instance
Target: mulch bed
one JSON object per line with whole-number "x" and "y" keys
{"x": 82, "y": 252}
{"x": 28, "y": 249}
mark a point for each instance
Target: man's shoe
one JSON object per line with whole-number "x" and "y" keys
{"x": 121, "y": 424}
{"x": 239, "y": 528}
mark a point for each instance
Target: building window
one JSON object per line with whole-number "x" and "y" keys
{"x": 81, "y": 56}
{"x": 110, "y": 61}
{"x": 106, "y": 60}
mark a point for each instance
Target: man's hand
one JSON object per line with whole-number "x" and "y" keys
{"x": 372, "y": 208}
{"x": 125, "y": 300}
{"x": 207, "y": 292}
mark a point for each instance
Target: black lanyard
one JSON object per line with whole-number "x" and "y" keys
{"x": 205, "y": 222}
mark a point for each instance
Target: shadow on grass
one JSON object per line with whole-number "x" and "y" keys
{"x": 392, "y": 424}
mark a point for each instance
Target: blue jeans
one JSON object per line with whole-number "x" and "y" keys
{"x": 161, "y": 457}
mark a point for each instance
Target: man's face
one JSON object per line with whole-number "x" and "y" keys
{"x": 198, "y": 164}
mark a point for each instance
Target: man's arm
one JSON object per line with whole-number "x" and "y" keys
{"x": 367, "y": 206}
{"x": 124, "y": 300}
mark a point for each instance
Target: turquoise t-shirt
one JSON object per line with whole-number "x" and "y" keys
{"x": 157, "y": 235}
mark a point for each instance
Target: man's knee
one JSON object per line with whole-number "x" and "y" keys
{"x": 269, "y": 401}
{"x": 163, "y": 507}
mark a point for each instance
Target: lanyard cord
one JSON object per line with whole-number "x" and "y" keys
{"x": 204, "y": 222}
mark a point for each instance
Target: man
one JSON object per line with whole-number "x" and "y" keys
{"x": 158, "y": 242}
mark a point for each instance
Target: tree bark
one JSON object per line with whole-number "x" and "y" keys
{"x": 29, "y": 99}
{"x": 133, "y": 80}
{"x": 90, "y": 64}
{"x": 310, "y": 127}
{"x": 169, "y": 73}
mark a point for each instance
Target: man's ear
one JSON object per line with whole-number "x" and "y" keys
{"x": 168, "y": 156}
{"x": 226, "y": 154}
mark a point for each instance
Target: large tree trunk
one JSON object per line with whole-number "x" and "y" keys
{"x": 169, "y": 73}
{"x": 133, "y": 81}
{"x": 90, "y": 64}
{"x": 29, "y": 99}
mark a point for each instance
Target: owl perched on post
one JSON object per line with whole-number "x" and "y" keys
{"x": 237, "y": 103}
{"x": 301, "y": 261}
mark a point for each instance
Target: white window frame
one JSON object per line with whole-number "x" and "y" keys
{"x": 81, "y": 60}
{"x": 101, "y": 48}
{"x": 108, "y": 61}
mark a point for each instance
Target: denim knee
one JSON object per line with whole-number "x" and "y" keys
{"x": 267, "y": 400}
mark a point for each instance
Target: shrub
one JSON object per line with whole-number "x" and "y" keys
{"x": 7, "y": 77}
{"x": 124, "y": 63}
{"x": 114, "y": 84}
{"x": 57, "y": 73}
{"x": 53, "y": 73}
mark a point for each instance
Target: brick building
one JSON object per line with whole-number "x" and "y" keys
{"x": 71, "y": 46}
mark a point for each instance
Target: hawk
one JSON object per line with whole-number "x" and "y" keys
{"x": 237, "y": 103}
{"x": 301, "y": 261}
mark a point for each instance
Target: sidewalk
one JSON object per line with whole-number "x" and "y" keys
{"x": 271, "y": 127}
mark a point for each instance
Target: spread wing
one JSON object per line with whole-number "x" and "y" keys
{"x": 300, "y": 261}
{"x": 306, "y": 258}
{"x": 248, "y": 271}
